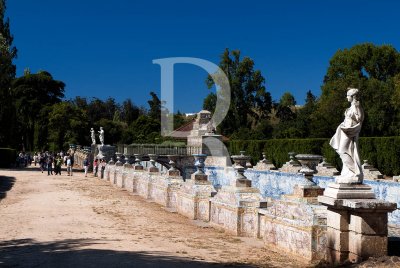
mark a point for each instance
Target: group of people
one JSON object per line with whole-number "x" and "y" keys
{"x": 50, "y": 162}
{"x": 53, "y": 162}
{"x": 97, "y": 164}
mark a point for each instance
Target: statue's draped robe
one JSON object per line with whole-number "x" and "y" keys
{"x": 345, "y": 142}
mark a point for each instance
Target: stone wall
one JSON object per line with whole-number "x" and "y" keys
{"x": 274, "y": 184}
{"x": 285, "y": 221}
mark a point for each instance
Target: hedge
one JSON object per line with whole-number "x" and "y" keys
{"x": 382, "y": 152}
{"x": 7, "y": 157}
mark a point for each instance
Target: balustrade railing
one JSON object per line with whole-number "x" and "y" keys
{"x": 157, "y": 149}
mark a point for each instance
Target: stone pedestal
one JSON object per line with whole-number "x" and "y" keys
{"x": 308, "y": 191}
{"x": 326, "y": 169}
{"x": 105, "y": 152}
{"x": 235, "y": 209}
{"x": 131, "y": 180}
{"x": 193, "y": 198}
{"x": 370, "y": 172}
{"x": 356, "y": 223}
{"x": 349, "y": 191}
{"x": 144, "y": 184}
{"x": 264, "y": 164}
{"x": 109, "y": 171}
{"x": 292, "y": 166}
{"x": 165, "y": 191}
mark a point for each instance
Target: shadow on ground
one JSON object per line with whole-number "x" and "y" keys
{"x": 6, "y": 183}
{"x": 72, "y": 253}
{"x": 394, "y": 246}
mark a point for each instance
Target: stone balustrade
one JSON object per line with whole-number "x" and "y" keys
{"x": 233, "y": 199}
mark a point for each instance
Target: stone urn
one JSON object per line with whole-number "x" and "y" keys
{"x": 199, "y": 160}
{"x": 119, "y": 162}
{"x": 153, "y": 159}
{"x": 173, "y": 171}
{"x": 128, "y": 161}
{"x": 138, "y": 160}
{"x": 240, "y": 166}
{"x": 309, "y": 164}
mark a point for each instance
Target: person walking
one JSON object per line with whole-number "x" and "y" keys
{"x": 86, "y": 165}
{"x": 103, "y": 167}
{"x": 49, "y": 165}
{"x": 57, "y": 164}
{"x": 69, "y": 166}
{"x": 95, "y": 167}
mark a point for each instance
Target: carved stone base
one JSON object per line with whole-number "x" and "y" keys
{"x": 308, "y": 191}
{"x": 138, "y": 168}
{"x": 173, "y": 173}
{"x": 153, "y": 169}
{"x": 235, "y": 209}
{"x": 349, "y": 191}
{"x": 356, "y": 228}
{"x": 164, "y": 191}
{"x": 193, "y": 198}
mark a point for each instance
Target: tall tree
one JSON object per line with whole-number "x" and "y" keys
{"x": 285, "y": 108}
{"x": 67, "y": 124}
{"x": 250, "y": 102}
{"x": 130, "y": 112}
{"x": 8, "y": 53}
{"x": 32, "y": 93}
{"x": 155, "y": 107}
{"x": 370, "y": 68}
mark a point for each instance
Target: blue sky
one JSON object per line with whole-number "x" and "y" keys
{"x": 105, "y": 48}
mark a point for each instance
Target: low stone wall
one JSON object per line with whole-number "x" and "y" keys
{"x": 285, "y": 221}
{"x": 274, "y": 184}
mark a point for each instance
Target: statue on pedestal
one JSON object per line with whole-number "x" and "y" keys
{"x": 345, "y": 141}
{"x": 92, "y": 136}
{"x": 101, "y": 136}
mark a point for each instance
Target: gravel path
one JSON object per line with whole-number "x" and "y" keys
{"x": 62, "y": 221}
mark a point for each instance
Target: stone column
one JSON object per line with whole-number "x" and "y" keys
{"x": 235, "y": 207}
{"x": 193, "y": 198}
{"x": 356, "y": 223}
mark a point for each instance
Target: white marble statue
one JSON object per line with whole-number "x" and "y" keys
{"x": 101, "y": 135}
{"x": 345, "y": 141}
{"x": 92, "y": 136}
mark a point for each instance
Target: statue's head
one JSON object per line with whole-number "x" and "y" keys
{"x": 352, "y": 93}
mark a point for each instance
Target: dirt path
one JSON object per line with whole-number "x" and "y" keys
{"x": 62, "y": 221}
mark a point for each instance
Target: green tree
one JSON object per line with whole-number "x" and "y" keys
{"x": 155, "y": 107}
{"x": 8, "y": 53}
{"x": 287, "y": 99}
{"x": 370, "y": 68}
{"x": 33, "y": 92}
{"x": 67, "y": 124}
{"x": 210, "y": 102}
{"x": 285, "y": 110}
{"x": 130, "y": 112}
{"x": 250, "y": 102}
